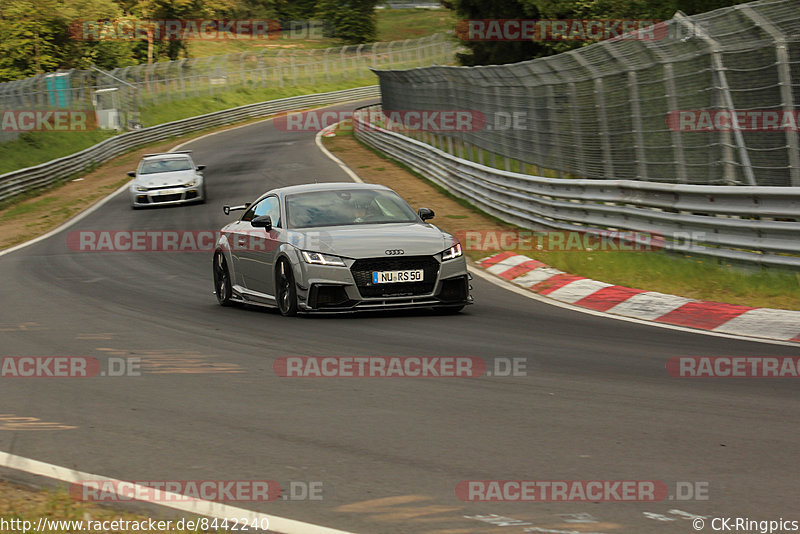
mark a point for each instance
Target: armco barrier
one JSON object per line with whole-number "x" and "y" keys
{"x": 751, "y": 224}
{"x": 23, "y": 180}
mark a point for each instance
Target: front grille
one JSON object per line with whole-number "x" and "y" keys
{"x": 362, "y": 274}
{"x": 166, "y": 198}
{"x": 156, "y": 188}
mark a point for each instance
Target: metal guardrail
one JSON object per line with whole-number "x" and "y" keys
{"x": 751, "y": 224}
{"x": 46, "y": 174}
{"x": 606, "y": 110}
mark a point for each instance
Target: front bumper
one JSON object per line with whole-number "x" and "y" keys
{"x": 328, "y": 289}
{"x": 166, "y": 197}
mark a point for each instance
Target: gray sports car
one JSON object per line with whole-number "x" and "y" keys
{"x": 338, "y": 247}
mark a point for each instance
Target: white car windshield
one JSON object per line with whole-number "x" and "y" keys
{"x": 165, "y": 165}
{"x": 346, "y": 207}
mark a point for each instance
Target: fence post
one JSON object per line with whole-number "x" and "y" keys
{"x": 636, "y": 113}
{"x": 325, "y": 63}
{"x": 671, "y": 92}
{"x": 785, "y": 77}
{"x": 358, "y": 57}
{"x": 719, "y": 70}
{"x": 602, "y": 117}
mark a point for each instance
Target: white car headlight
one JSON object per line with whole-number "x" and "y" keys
{"x": 190, "y": 184}
{"x": 317, "y": 258}
{"x": 452, "y": 252}
{"x": 141, "y": 188}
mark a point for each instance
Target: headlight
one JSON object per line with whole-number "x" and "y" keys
{"x": 190, "y": 184}
{"x": 141, "y": 188}
{"x": 318, "y": 258}
{"x": 452, "y": 252}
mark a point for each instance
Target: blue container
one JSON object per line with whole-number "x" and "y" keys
{"x": 59, "y": 90}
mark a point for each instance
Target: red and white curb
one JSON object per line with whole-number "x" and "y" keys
{"x": 782, "y": 325}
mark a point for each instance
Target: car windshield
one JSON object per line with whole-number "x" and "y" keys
{"x": 165, "y": 165}
{"x": 346, "y": 207}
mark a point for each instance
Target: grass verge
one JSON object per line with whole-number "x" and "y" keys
{"x": 33, "y": 148}
{"x": 391, "y": 25}
{"x": 399, "y": 24}
{"x": 18, "y": 503}
{"x": 207, "y": 103}
{"x": 686, "y": 276}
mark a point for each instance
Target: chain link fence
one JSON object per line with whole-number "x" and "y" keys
{"x": 128, "y": 89}
{"x": 601, "y": 111}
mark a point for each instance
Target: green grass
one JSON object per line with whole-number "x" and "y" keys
{"x": 399, "y": 24}
{"x": 190, "y": 107}
{"x": 391, "y": 25}
{"x": 27, "y": 504}
{"x": 22, "y": 209}
{"x": 33, "y": 148}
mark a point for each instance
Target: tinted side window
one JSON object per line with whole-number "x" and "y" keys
{"x": 269, "y": 206}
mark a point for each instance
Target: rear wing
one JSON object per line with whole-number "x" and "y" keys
{"x": 167, "y": 153}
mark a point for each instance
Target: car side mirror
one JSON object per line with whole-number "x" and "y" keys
{"x": 132, "y": 174}
{"x": 265, "y": 222}
{"x": 200, "y": 167}
{"x": 425, "y": 214}
{"x": 228, "y": 209}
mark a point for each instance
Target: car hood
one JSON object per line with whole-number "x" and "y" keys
{"x": 373, "y": 240}
{"x": 165, "y": 179}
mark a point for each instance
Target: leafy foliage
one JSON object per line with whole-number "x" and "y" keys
{"x": 500, "y": 52}
{"x": 352, "y": 21}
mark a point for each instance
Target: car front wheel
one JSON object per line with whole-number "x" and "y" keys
{"x": 222, "y": 280}
{"x": 287, "y": 291}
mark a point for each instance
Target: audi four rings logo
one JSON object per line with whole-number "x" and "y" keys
{"x": 395, "y": 252}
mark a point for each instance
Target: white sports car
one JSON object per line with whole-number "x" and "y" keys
{"x": 168, "y": 178}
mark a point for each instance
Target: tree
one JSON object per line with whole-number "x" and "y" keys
{"x": 106, "y": 54}
{"x": 499, "y": 52}
{"x": 496, "y": 52}
{"x": 352, "y": 21}
{"x": 30, "y": 31}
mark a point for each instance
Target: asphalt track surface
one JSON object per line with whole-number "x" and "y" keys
{"x": 597, "y": 403}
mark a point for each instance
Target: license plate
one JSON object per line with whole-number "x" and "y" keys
{"x": 167, "y": 192}
{"x": 393, "y": 277}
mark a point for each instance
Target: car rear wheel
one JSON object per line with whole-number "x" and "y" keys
{"x": 222, "y": 280}
{"x": 287, "y": 291}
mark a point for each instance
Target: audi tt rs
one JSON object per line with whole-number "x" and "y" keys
{"x": 338, "y": 247}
